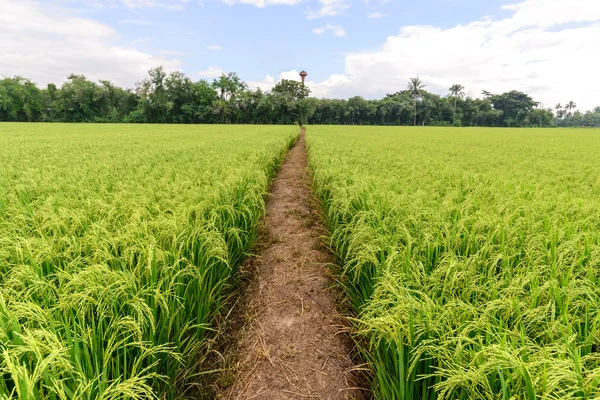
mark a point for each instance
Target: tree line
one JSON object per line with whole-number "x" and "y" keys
{"x": 175, "y": 98}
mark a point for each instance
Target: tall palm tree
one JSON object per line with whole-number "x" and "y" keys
{"x": 571, "y": 106}
{"x": 415, "y": 86}
{"x": 456, "y": 91}
{"x": 559, "y": 110}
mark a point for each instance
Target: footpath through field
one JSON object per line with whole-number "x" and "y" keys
{"x": 291, "y": 346}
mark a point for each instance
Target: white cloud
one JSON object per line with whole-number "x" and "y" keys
{"x": 214, "y": 48}
{"x": 324, "y": 88}
{"x": 211, "y": 72}
{"x": 46, "y": 43}
{"x": 135, "y": 22}
{"x": 263, "y": 3}
{"x": 336, "y": 29}
{"x": 320, "y": 89}
{"x": 329, "y": 8}
{"x": 375, "y": 15}
{"x": 547, "y": 48}
{"x": 269, "y": 81}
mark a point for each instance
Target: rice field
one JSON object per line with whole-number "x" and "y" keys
{"x": 471, "y": 257}
{"x": 119, "y": 245}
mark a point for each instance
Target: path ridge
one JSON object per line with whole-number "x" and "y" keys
{"x": 292, "y": 346}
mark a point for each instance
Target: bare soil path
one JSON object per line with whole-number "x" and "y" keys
{"x": 291, "y": 346}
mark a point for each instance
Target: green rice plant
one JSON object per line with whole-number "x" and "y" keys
{"x": 471, "y": 257}
{"x": 119, "y": 246}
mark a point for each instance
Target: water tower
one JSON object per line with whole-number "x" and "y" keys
{"x": 303, "y": 75}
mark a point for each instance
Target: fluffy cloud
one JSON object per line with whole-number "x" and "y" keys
{"x": 269, "y": 81}
{"x": 336, "y": 29}
{"x": 47, "y": 43}
{"x": 329, "y": 8}
{"x": 318, "y": 89}
{"x": 211, "y": 72}
{"x": 375, "y": 15}
{"x": 548, "y": 48}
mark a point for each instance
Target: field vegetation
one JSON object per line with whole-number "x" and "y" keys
{"x": 118, "y": 249}
{"x": 472, "y": 257}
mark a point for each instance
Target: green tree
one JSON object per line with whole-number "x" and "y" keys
{"x": 570, "y": 107}
{"x": 456, "y": 91}
{"x": 559, "y": 110}
{"x": 305, "y": 108}
{"x": 514, "y": 107}
{"x": 229, "y": 85}
{"x": 155, "y": 105}
{"x": 20, "y": 100}
{"x": 415, "y": 87}
{"x": 205, "y": 96}
{"x": 293, "y": 89}
{"x": 80, "y": 100}
{"x": 540, "y": 118}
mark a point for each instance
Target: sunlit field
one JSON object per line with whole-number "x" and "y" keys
{"x": 471, "y": 256}
{"x": 118, "y": 247}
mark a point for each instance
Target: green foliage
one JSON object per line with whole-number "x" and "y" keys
{"x": 229, "y": 85}
{"x": 20, "y": 100}
{"x": 415, "y": 88}
{"x": 457, "y": 92}
{"x": 539, "y": 118}
{"x": 305, "y": 108}
{"x": 118, "y": 248}
{"x": 175, "y": 98}
{"x": 513, "y": 107}
{"x": 472, "y": 257}
{"x": 578, "y": 119}
{"x": 292, "y": 89}
{"x": 292, "y": 102}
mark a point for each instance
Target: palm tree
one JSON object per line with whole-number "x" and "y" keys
{"x": 415, "y": 86}
{"x": 558, "y": 109}
{"x": 571, "y": 106}
{"x": 456, "y": 91}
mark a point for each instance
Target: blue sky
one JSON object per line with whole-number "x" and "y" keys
{"x": 348, "y": 47}
{"x": 257, "y": 41}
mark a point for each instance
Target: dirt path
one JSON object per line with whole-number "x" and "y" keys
{"x": 291, "y": 346}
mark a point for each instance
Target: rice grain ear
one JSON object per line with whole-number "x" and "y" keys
{"x": 118, "y": 249}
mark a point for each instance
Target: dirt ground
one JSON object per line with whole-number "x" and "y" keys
{"x": 292, "y": 344}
